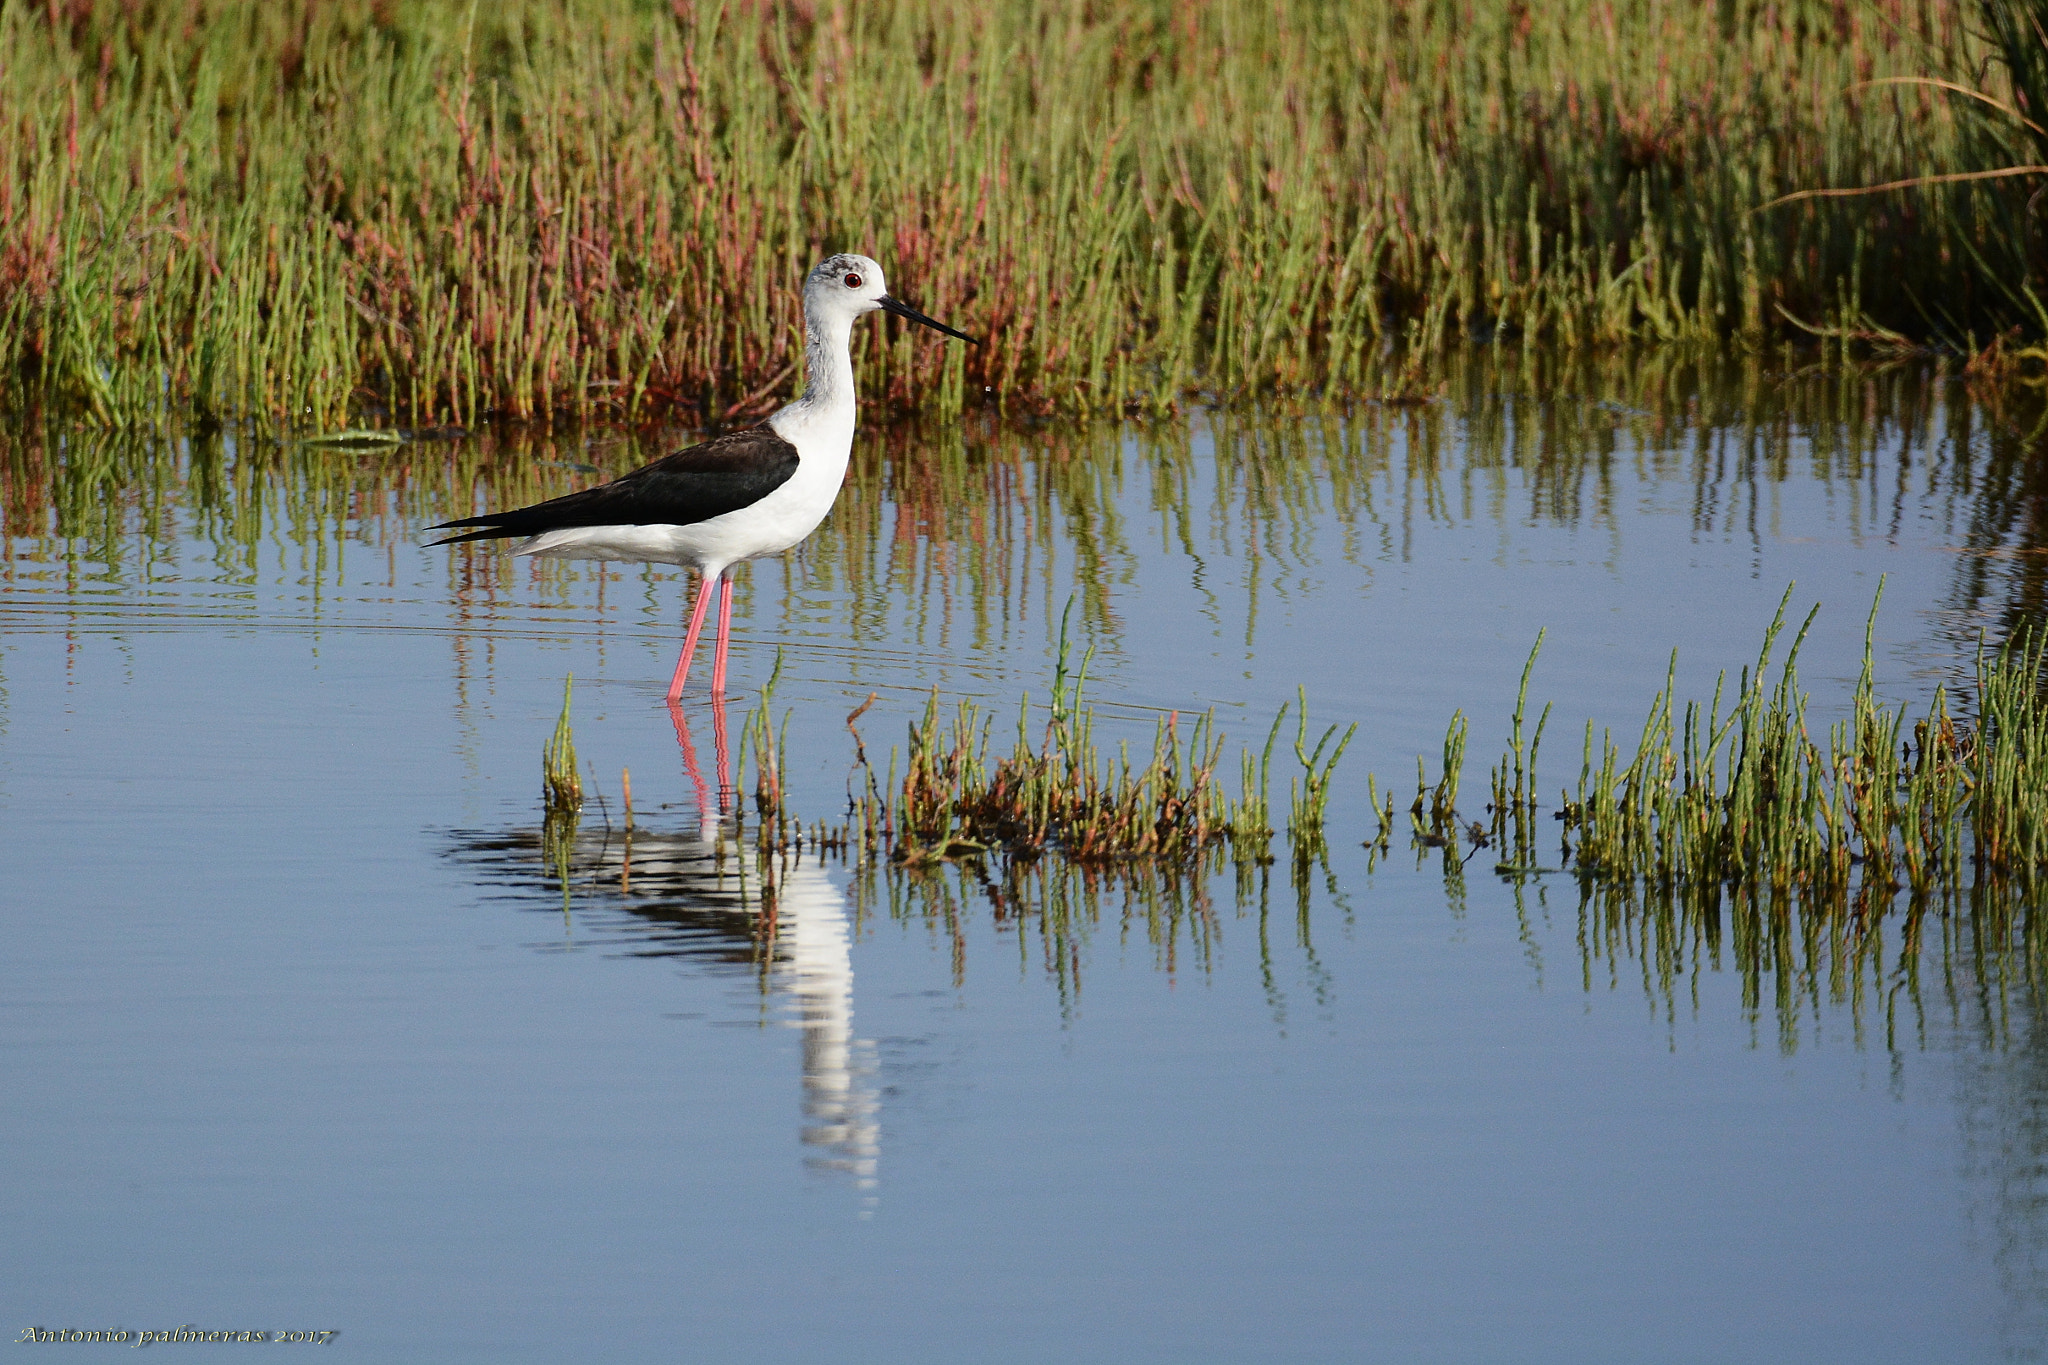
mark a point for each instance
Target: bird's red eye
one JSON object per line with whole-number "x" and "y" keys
{"x": 852, "y": 280}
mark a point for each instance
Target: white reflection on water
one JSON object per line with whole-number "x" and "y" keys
{"x": 712, "y": 898}
{"x": 703, "y": 896}
{"x": 841, "y": 1105}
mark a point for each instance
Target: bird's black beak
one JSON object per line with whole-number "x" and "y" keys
{"x": 904, "y": 310}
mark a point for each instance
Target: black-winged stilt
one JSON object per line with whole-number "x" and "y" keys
{"x": 740, "y": 496}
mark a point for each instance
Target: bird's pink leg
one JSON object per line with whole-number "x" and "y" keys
{"x": 705, "y": 583}
{"x": 724, "y": 634}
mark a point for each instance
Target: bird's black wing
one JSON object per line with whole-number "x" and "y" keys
{"x": 722, "y": 475}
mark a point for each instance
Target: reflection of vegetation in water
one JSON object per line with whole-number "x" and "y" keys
{"x": 1058, "y": 914}
{"x": 1891, "y": 964}
{"x": 2001, "y": 1019}
{"x": 966, "y": 525}
{"x": 1055, "y": 910}
{"x": 1867, "y": 949}
{"x": 1791, "y": 954}
{"x": 112, "y": 504}
{"x": 2002, "y": 542}
{"x": 960, "y": 537}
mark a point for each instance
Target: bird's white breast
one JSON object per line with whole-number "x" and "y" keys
{"x": 823, "y": 438}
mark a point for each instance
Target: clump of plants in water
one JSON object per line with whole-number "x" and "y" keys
{"x": 561, "y": 795}
{"x": 1738, "y": 792}
{"x": 561, "y": 787}
{"x": 950, "y": 794}
{"x": 1735, "y": 793}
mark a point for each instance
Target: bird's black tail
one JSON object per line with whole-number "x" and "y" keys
{"x": 496, "y": 526}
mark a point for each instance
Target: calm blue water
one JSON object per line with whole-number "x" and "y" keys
{"x": 299, "y": 1032}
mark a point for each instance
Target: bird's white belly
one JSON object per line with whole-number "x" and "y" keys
{"x": 768, "y": 527}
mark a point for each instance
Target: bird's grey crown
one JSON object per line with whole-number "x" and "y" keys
{"x": 834, "y": 269}
{"x": 828, "y": 281}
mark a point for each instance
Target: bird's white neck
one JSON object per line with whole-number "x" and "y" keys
{"x": 827, "y": 402}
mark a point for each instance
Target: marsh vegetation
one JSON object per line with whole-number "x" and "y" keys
{"x": 408, "y": 213}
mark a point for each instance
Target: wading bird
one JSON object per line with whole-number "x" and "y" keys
{"x": 740, "y": 496}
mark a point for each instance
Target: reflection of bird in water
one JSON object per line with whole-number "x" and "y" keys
{"x": 740, "y": 496}
{"x": 840, "y": 1103}
{"x": 703, "y": 896}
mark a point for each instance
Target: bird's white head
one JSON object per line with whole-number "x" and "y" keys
{"x": 843, "y": 287}
{"x": 849, "y": 284}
